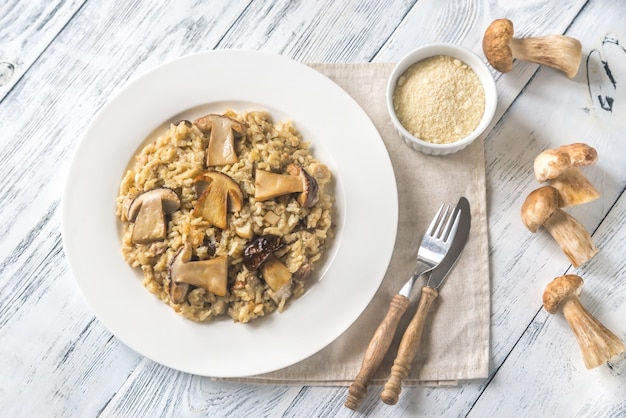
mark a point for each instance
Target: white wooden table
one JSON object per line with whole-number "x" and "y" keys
{"x": 60, "y": 61}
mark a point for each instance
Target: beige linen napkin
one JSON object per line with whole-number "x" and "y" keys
{"x": 455, "y": 341}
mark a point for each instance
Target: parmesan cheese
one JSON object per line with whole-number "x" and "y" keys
{"x": 439, "y": 99}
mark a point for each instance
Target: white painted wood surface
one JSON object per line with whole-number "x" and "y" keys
{"x": 68, "y": 57}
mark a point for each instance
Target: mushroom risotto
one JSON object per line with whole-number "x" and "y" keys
{"x": 226, "y": 215}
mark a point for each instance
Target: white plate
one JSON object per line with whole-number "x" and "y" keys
{"x": 341, "y": 135}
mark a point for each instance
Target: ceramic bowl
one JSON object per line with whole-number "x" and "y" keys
{"x": 480, "y": 69}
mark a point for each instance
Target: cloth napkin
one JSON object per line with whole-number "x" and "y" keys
{"x": 455, "y": 341}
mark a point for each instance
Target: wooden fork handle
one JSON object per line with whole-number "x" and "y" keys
{"x": 376, "y": 350}
{"x": 408, "y": 347}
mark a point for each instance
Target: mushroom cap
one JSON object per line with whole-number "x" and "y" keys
{"x": 561, "y": 288}
{"x": 310, "y": 189}
{"x": 551, "y": 163}
{"x": 260, "y": 249}
{"x": 497, "y": 45}
{"x": 539, "y": 205}
{"x": 580, "y": 154}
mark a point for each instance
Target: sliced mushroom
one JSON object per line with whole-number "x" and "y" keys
{"x": 178, "y": 292}
{"x": 268, "y": 185}
{"x": 211, "y": 275}
{"x": 541, "y": 208}
{"x": 597, "y": 343}
{"x": 559, "y": 166}
{"x": 221, "y": 150}
{"x": 259, "y": 254}
{"x": 557, "y": 51}
{"x": 148, "y": 212}
{"x": 257, "y": 251}
{"x": 321, "y": 172}
{"x": 217, "y": 195}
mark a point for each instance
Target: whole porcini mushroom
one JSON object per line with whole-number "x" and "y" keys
{"x": 268, "y": 185}
{"x": 211, "y": 275}
{"x": 222, "y": 129}
{"x": 560, "y": 166}
{"x": 541, "y": 207}
{"x": 557, "y": 51}
{"x": 259, "y": 254}
{"x": 597, "y": 343}
{"x": 148, "y": 211}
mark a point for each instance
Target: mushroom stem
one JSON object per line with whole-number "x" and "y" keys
{"x": 571, "y": 236}
{"x": 574, "y": 188}
{"x": 556, "y": 51}
{"x": 597, "y": 343}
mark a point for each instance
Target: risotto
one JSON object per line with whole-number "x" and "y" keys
{"x": 226, "y": 215}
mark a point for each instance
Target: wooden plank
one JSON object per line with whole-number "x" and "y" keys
{"x": 146, "y": 394}
{"x": 547, "y": 358}
{"x": 26, "y": 30}
{"x": 340, "y": 31}
{"x": 86, "y": 372}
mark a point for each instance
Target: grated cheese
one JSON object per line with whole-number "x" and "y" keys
{"x": 439, "y": 99}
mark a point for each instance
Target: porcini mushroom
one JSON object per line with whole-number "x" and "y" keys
{"x": 148, "y": 211}
{"x": 222, "y": 129}
{"x": 557, "y": 51}
{"x": 211, "y": 275}
{"x": 560, "y": 165}
{"x": 259, "y": 254}
{"x": 217, "y": 195}
{"x": 541, "y": 207}
{"x": 597, "y": 343}
{"x": 268, "y": 185}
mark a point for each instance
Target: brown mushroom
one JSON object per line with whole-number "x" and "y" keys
{"x": 560, "y": 165}
{"x": 259, "y": 254}
{"x": 321, "y": 172}
{"x": 148, "y": 211}
{"x": 221, "y": 150}
{"x": 541, "y": 207}
{"x": 211, "y": 275}
{"x": 217, "y": 195}
{"x": 268, "y": 185}
{"x": 597, "y": 343}
{"x": 557, "y": 51}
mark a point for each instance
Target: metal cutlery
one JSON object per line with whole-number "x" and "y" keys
{"x": 412, "y": 336}
{"x": 433, "y": 248}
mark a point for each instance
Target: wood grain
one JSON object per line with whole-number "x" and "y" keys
{"x": 376, "y": 350}
{"x": 60, "y": 61}
{"x": 26, "y": 30}
{"x": 408, "y": 347}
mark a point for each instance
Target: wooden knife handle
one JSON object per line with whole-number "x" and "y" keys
{"x": 408, "y": 348}
{"x": 376, "y": 350}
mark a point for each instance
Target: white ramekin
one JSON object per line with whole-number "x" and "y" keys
{"x": 480, "y": 69}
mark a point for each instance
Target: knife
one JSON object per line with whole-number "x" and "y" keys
{"x": 411, "y": 338}
{"x": 386, "y": 330}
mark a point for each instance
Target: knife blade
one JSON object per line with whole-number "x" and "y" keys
{"x": 412, "y": 336}
{"x": 438, "y": 274}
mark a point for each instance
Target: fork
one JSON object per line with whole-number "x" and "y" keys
{"x": 434, "y": 246}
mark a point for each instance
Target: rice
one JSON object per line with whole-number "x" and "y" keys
{"x": 173, "y": 161}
